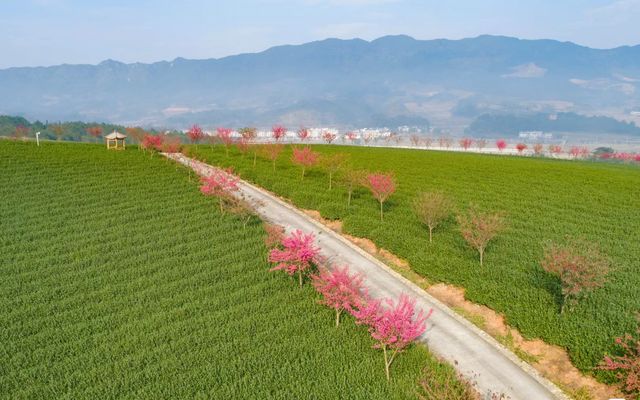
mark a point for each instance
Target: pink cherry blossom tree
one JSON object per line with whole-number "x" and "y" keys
{"x": 305, "y": 157}
{"x": 351, "y": 136}
{"x": 537, "y": 148}
{"x": 220, "y": 184}
{"x": 243, "y": 146}
{"x": 152, "y": 142}
{"x": 521, "y": 147}
{"x": 328, "y": 136}
{"x": 303, "y": 134}
{"x": 394, "y": 326}
{"x": 555, "y": 149}
{"x": 278, "y": 132}
{"x": 195, "y": 134}
{"x": 296, "y": 256}
{"x": 501, "y": 144}
{"x": 340, "y": 290}
{"x": 574, "y": 151}
{"x": 466, "y": 143}
{"x": 381, "y": 186}
{"x": 224, "y": 135}
{"x": 481, "y": 144}
{"x": 627, "y": 364}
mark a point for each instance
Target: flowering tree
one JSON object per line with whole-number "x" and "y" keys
{"x": 584, "y": 152}
{"x": 432, "y": 208}
{"x": 574, "y": 151}
{"x": 272, "y": 152}
{"x": 466, "y": 143}
{"x": 555, "y": 149}
{"x": 381, "y": 186}
{"x": 481, "y": 144}
{"x": 278, "y": 132}
{"x": 95, "y": 131}
{"x": 353, "y": 178}
{"x": 195, "y": 134}
{"x": 537, "y": 149}
{"x": 478, "y": 228}
{"x": 224, "y": 135}
{"x": 521, "y": 147}
{"x": 340, "y": 290}
{"x": 626, "y": 365}
{"x": 333, "y": 163}
{"x": 220, "y": 184}
{"x": 304, "y": 157}
{"x": 303, "y": 134}
{"x": 579, "y": 265}
{"x": 351, "y": 136}
{"x": 296, "y": 256}
{"x": 501, "y": 144}
{"x": 152, "y": 142}
{"x": 328, "y": 136}
{"x": 249, "y": 135}
{"x": 394, "y": 326}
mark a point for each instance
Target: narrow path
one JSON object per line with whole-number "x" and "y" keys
{"x": 475, "y": 354}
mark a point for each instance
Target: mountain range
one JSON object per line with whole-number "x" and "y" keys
{"x": 390, "y": 81}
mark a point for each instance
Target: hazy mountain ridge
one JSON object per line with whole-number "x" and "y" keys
{"x": 393, "y": 79}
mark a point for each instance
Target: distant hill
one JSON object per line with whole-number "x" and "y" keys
{"x": 393, "y": 80}
{"x": 511, "y": 125}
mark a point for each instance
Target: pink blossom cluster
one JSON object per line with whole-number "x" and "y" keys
{"x": 381, "y": 185}
{"x": 195, "y": 133}
{"x": 621, "y": 156}
{"x": 224, "y": 134}
{"x": 278, "y": 132}
{"x": 219, "y": 183}
{"x": 152, "y": 142}
{"x": 328, "y": 137}
{"x": 305, "y": 156}
{"x": 296, "y": 255}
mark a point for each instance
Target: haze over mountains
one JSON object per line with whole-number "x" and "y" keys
{"x": 390, "y": 81}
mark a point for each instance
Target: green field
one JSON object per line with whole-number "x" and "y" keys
{"x": 119, "y": 279}
{"x": 544, "y": 200}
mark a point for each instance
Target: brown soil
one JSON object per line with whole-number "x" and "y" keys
{"x": 551, "y": 361}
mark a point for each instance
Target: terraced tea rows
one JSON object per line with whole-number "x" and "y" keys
{"x": 544, "y": 200}
{"x": 119, "y": 279}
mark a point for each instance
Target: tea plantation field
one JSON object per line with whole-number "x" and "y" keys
{"x": 119, "y": 279}
{"x": 544, "y": 200}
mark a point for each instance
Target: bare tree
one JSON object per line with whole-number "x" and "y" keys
{"x": 479, "y": 228}
{"x": 432, "y": 208}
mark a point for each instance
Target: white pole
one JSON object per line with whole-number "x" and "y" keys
{"x": 38, "y": 138}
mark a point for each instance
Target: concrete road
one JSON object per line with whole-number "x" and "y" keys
{"x": 475, "y": 354}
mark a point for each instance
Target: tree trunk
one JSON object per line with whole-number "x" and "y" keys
{"x": 338, "y": 317}
{"x": 302, "y": 172}
{"x": 274, "y": 165}
{"x": 386, "y": 363}
{"x": 430, "y": 235}
{"x": 300, "y": 277}
{"x": 330, "y": 179}
{"x": 255, "y": 155}
{"x": 221, "y": 209}
{"x": 381, "y": 213}
{"x": 349, "y": 200}
{"x": 481, "y": 250}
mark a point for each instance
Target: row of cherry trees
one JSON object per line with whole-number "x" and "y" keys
{"x": 393, "y": 325}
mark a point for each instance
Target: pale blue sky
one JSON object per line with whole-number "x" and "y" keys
{"x": 47, "y": 32}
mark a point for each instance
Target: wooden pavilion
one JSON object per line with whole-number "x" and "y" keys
{"x": 116, "y": 141}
